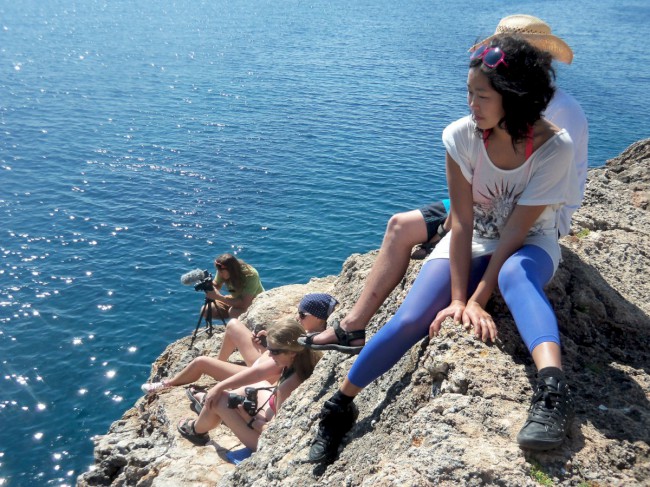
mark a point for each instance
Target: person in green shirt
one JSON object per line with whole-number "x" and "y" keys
{"x": 242, "y": 283}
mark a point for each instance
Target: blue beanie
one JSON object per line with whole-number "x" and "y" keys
{"x": 319, "y": 305}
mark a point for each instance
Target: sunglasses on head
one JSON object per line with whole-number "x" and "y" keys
{"x": 277, "y": 351}
{"x": 302, "y": 315}
{"x": 491, "y": 56}
{"x": 219, "y": 266}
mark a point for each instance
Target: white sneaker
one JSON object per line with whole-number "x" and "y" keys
{"x": 150, "y": 387}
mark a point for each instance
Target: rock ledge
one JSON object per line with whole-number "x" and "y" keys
{"x": 449, "y": 411}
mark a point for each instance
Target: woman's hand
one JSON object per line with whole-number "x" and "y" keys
{"x": 213, "y": 294}
{"x": 259, "y": 338}
{"x": 475, "y": 316}
{"x": 258, "y": 423}
{"x": 455, "y": 310}
{"x": 212, "y": 397}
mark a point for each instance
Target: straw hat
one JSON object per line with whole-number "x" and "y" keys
{"x": 535, "y": 31}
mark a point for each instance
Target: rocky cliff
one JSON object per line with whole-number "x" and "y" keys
{"x": 449, "y": 411}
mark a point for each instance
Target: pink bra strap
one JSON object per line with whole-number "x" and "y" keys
{"x": 486, "y": 134}
{"x": 529, "y": 140}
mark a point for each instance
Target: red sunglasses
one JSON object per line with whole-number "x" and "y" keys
{"x": 491, "y": 56}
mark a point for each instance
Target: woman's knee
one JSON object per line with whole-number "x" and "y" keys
{"x": 410, "y": 324}
{"x": 199, "y": 363}
{"x": 234, "y": 327}
{"x": 406, "y": 228}
{"x": 530, "y": 264}
{"x": 510, "y": 273}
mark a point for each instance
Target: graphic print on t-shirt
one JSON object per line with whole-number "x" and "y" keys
{"x": 492, "y": 213}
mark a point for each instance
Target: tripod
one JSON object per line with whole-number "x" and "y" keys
{"x": 206, "y": 311}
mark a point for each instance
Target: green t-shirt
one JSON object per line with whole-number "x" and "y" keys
{"x": 252, "y": 284}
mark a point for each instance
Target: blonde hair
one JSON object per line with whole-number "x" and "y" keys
{"x": 283, "y": 335}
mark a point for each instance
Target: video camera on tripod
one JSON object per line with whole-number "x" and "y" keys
{"x": 201, "y": 280}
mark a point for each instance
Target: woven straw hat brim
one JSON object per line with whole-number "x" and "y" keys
{"x": 559, "y": 49}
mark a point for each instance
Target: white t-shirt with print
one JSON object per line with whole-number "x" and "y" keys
{"x": 546, "y": 178}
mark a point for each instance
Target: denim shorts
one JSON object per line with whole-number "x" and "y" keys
{"x": 434, "y": 215}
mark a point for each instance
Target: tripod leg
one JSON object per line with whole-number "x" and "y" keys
{"x": 198, "y": 324}
{"x": 208, "y": 316}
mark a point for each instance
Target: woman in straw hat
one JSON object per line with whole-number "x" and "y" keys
{"x": 508, "y": 170}
{"x": 563, "y": 110}
{"x": 427, "y": 225}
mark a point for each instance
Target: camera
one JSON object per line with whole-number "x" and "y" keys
{"x": 261, "y": 338}
{"x": 205, "y": 284}
{"x": 201, "y": 280}
{"x": 248, "y": 401}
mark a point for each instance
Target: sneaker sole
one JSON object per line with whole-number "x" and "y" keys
{"x": 539, "y": 445}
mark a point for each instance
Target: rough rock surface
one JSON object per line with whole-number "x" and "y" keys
{"x": 449, "y": 411}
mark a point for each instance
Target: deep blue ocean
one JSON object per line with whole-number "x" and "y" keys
{"x": 138, "y": 140}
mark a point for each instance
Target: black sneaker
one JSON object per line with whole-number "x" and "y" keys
{"x": 335, "y": 422}
{"x": 549, "y": 416}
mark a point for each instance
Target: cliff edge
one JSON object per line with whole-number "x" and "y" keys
{"x": 449, "y": 411}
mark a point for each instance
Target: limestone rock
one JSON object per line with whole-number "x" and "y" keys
{"x": 449, "y": 411}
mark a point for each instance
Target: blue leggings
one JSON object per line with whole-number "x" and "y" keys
{"x": 521, "y": 281}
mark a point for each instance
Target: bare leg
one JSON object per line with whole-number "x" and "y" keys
{"x": 349, "y": 389}
{"x": 238, "y": 336}
{"x": 220, "y": 312}
{"x": 217, "y": 369}
{"x": 236, "y": 312}
{"x": 237, "y": 419}
{"x": 547, "y": 354}
{"x": 404, "y": 230}
{"x": 208, "y": 418}
{"x": 228, "y": 345}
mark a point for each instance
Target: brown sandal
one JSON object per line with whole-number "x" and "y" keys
{"x": 196, "y": 404}
{"x": 186, "y": 429}
{"x": 343, "y": 340}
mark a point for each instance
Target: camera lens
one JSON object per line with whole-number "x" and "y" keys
{"x": 235, "y": 400}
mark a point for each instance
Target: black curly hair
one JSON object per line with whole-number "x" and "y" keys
{"x": 525, "y": 83}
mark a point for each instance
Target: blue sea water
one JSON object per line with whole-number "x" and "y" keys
{"x": 138, "y": 140}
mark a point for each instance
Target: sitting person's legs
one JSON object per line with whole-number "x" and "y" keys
{"x": 404, "y": 230}
{"x": 430, "y": 293}
{"x": 217, "y": 312}
{"x": 436, "y": 218}
{"x": 239, "y": 337}
{"x": 521, "y": 282}
{"x": 238, "y": 420}
{"x": 215, "y": 368}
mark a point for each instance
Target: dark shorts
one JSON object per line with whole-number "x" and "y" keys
{"x": 434, "y": 215}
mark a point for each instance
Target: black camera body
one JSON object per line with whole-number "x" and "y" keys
{"x": 248, "y": 401}
{"x": 205, "y": 284}
{"x": 261, "y": 338}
